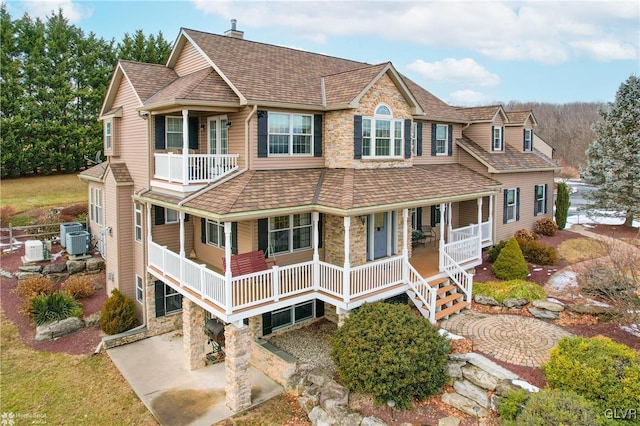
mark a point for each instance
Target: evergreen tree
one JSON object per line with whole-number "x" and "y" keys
{"x": 613, "y": 159}
{"x": 562, "y": 205}
{"x": 139, "y": 48}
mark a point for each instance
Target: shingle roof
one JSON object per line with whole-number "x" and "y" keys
{"x": 433, "y": 107}
{"x": 203, "y": 85}
{"x": 481, "y": 113}
{"x": 511, "y": 160}
{"x": 95, "y": 172}
{"x": 343, "y": 87}
{"x": 120, "y": 173}
{"x": 517, "y": 117}
{"x": 147, "y": 79}
{"x": 342, "y": 189}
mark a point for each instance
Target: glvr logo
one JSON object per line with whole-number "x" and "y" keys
{"x": 621, "y": 413}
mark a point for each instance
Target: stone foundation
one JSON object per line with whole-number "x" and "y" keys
{"x": 238, "y": 354}
{"x": 193, "y": 341}
{"x": 272, "y": 361}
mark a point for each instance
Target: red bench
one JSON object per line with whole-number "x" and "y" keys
{"x": 246, "y": 263}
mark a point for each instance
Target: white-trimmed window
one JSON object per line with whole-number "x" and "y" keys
{"x": 108, "y": 135}
{"x": 173, "y": 132}
{"x": 527, "y": 144}
{"x": 171, "y": 216}
{"x": 290, "y": 134}
{"x": 95, "y": 204}
{"x": 382, "y": 135}
{"x": 290, "y": 233}
{"x": 541, "y": 200}
{"x": 137, "y": 221}
{"x": 414, "y": 138}
{"x": 215, "y": 233}
{"x": 497, "y": 138}
{"x": 292, "y": 315}
{"x": 442, "y": 139}
{"x": 511, "y": 205}
{"x": 167, "y": 299}
{"x": 139, "y": 289}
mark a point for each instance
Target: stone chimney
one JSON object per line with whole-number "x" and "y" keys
{"x": 233, "y": 32}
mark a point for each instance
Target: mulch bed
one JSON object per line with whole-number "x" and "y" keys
{"x": 81, "y": 342}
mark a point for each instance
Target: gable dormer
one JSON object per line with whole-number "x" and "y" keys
{"x": 519, "y": 130}
{"x": 486, "y": 126}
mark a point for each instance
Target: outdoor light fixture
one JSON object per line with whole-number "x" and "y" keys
{"x": 229, "y": 124}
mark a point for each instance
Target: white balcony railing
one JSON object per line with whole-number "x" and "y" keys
{"x": 200, "y": 168}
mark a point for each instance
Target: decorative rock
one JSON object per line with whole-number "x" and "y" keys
{"x": 505, "y": 386}
{"x": 589, "y": 310}
{"x": 479, "y": 377}
{"x": 5, "y": 274}
{"x": 307, "y": 403}
{"x": 494, "y": 401}
{"x": 485, "y": 364}
{"x": 332, "y": 393}
{"x": 515, "y": 302}
{"x": 344, "y": 417}
{"x": 454, "y": 369}
{"x": 463, "y": 404}
{"x": 75, "y": 266}
{"x": 317, "y": 376}
{"x": 25, "y": 275}
{"x": 471, "y": 391}
{"x": 95, "y": 264}
{"x": 92, "y": 320}
{"x": 449, "y": 421}
{"x": 543, "y": 314}
{"x": 319, "y": 417}
{"x": 372, "y": 421}
{"x": 57, "y": 329}
{"x": 483, "y": 299}
{"x": 54, "y": 268}
{"x": 549, "y": 306}
{"x": 30, "y": 268}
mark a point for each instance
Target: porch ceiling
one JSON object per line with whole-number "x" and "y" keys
{"x": 340, "y": 191}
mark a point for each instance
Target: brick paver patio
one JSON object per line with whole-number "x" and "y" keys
{"x": 511, "y": 338}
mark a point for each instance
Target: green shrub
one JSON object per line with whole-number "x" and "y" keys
{"x": 598, "y": 369}
{"x": 494, "y": 251}
{"x": 545, "y": 226}
{"x": 31, "y": 288}
{"x": 562, "y": 205}
{"x": 79, "y": 286}
{"x": 537, "y": 252}
{"x": 525, "y": 235}
{"x": 54, "y": 307}
{"x": 118, "y": 313}
{"x": 510, "y": 405}
{"x": 557, "y": 407}
{"x": 518, "y": 289}
{"x": 389, "y": 351}
{"x": 510, "y": 264}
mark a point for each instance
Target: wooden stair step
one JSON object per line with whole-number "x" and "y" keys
{"x": 436, "y": 282}
{"x": 446, "y": 289}
{"x": 448, "y": 299}
{"x": 451, "y": 310}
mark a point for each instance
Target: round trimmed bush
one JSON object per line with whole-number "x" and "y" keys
{"x": 390, "y": 352}
{"x": 545, "y": 226}
{"x": 537, "y": 252}
{"x": 557, "y": 407}
{"x": 54, "y": 307}
{"x": 525, "y": 235}
{"x": 79, "y": 286}
{"x": 118, "y": 313}
{"x": 30, "y": 288}
{"x": 510, "y": 264}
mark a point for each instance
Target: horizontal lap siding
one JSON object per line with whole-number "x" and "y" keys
{"x": 468, "y": 213}
{"x": 190, "y": 61}
{"x": 480, "y": 133}
{"x": 426, "y": 157}
{"x": 470, "y": 162}
{"x": 168, "y": 235}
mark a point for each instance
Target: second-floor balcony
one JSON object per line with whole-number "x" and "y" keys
{"x": 194, "y": 169}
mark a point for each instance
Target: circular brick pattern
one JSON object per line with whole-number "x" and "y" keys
{"x": 511, "y": 338}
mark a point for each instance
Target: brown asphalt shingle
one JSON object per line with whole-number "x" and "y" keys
{"x": 120, "y": 173}
{"x": 433, "y": 108}
{"x": 342, "y": 88}
{"x": 511, "y": 160}
{"x": 95, "y": 172}
{"x": 203, "y": 85}
{"x": 481, "y": 113}
{"x": 517, "y": 117}
{"x": 147, "y": 79}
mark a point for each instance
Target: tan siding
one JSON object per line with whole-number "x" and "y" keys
{"x": 470, "y": 162}
{"x": 513, "y": 135}
{"x": 480, "y": 133}
{"x": 139, "y": 261}
{"x": 426, "y": 157}
{"x": 468, "y": 213}
{"x": 190, "y": 61}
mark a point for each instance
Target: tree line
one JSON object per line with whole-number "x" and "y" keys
{"x": 53, "y": 81}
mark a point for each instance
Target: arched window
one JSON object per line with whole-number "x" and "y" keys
{"x": 382, "y": 136}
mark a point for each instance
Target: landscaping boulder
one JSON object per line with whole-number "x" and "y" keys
{"x": 56, "y": 329}
{"x": 317, "y": 376}
{"x": 93, "y": 320}
{"x": 95, "y": 264}
{"x": 54, "y": 268}
{"x": 548, "y": 305}
{"x": 449, "y": 421}
{"x": 505, "y": 386}
{"x": 307, "y": 403}
{"x": 344, "y": 417}
{"x": 511, "y": 302}
{"x": 372, "y": 421}
{"x": 25, "y": 275}
{"x": 589, "y": 310}
{"x": 464, "y": 404}
{"x": 544, "y": 314}
{"x": 454, "y": 369}
{"x": 319, "y": 417}
{"x": 332, "y": 394}
{"x": 483, "y": 299}
{"x": 30, "y": 268}
{"x": 479, "y": 377}
{"x": 473, "y": 392}
{"x": 76, "y": 266}
{"x": 486, "y": 364}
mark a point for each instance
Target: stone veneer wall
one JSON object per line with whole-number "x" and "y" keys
{"x": 237, "y": 362}
{"x": 272, "y": 361}
{"x": 338, "y": 151}
{"x": 162, "y": 324}
{"x": 193, "y": 341}
{"x": 334, "y": 241}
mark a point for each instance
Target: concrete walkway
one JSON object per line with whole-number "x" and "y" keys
{"x": 154, "y": 369}
{"x": 511, "y": 338}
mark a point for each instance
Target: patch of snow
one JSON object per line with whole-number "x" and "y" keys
{"x": 449, "y": 335}
{"x": 633, "y": 329}
{"x": 587, "y": 221}
{"x": 526, "y": 385}
{"x": 551, "y": 299}
{"x": 597, "y": 303}
{"x": 537, "y": 269}
{"x": 563, "y": 280}
{"x": 6, "y": 274}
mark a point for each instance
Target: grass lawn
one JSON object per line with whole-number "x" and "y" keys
{"x": 30, "y": 193}
{"x": 64, "y": 389}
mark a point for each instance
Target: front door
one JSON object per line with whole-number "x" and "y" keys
{"x": 380, "y": 224}
{"x": 218, "y": 135}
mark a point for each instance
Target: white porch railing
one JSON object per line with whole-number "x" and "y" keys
{"x": 485, "y": 234}
{"x": 463, "y": 251}
{"x": 471, "y": 231}
{"x": 458, "y": 276}
{"x": 201, "y": 168}
{"x": 425, "y": 293}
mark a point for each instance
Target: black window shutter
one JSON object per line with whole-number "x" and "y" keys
{"x": 450, "y": 142}
{"x": 186, "y": 217}
{"x": 433, "y": 216}
{"x": 193, "y": 132}
{"x": 159, "y": 297}
{"x": 319, "y": 308}
{"x": 234, "y": 237}
{"x": 317, "y": 135}
{"x": 263, "y": 134}
{"x": 419, "y": 218}
{"x": 535, "y": 200}
{"x": 263, "y": 235}
{"x": 266, "y": 323}
{"x": 203, "y": 230}
{"x": 524, "y": 139}
{"x": 493, "y": 133}
{"x": 518, "y": 204}
{"x": 320, "y": 235}
{"x": 160, "y": 136}
{"x": 419, "y": 140}
{"x": 546, "y": 186}
{"x": 159, "y": 215}
{"x": 433, "y": 139}
{"x": 504, "y": 207}
{"x": 407, "y": 138}
{"x": 357, "y": 137}
{"x": 501, "y": 138}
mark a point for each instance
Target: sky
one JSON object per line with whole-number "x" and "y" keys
{"x": 466, "y": 53}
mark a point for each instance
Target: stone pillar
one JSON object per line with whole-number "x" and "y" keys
{"x": 238, "y": 354}
{"x": 342, "y": 316}
{"x": 255, "y": 325}
{"x": 192, "y": 335}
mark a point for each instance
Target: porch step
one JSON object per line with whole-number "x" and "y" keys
{"x": 439, "y": 281}
{"x": 447, "y": 299}
{"x": 446, "y": 289}
{"x": 451, "y": 310}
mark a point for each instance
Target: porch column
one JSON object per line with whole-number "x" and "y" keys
{"x": 227, "y": 273}
{"x": 449, "y": 221}
{"x": 405, "y": 233}
{"x": 185, "y": 146}
{"x": 441, "y": 247}
{"x": 480, "y": 228}
{"x": 181, "y": 218}
{"x": 491, "y": 218}
{"x": 315, "y": 217}
{"x": 236, "y": 363}
{"x": 149, "y": 221}
{"x": 347, "y": 263}
{"x": 193, "y": 341}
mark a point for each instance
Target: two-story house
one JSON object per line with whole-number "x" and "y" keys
{"x": 352, "y": 180}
